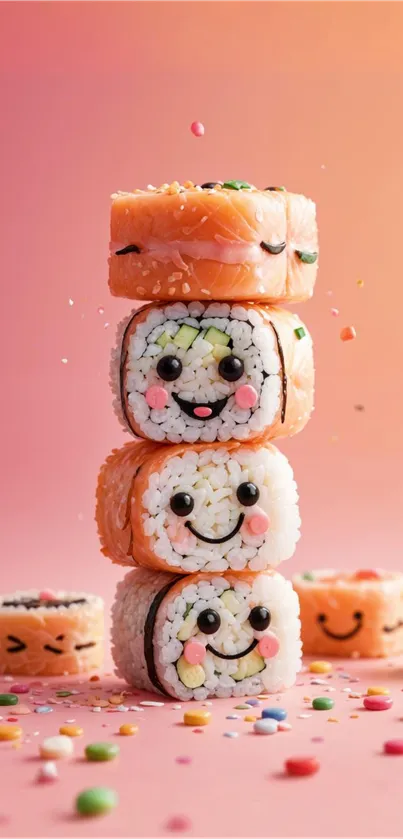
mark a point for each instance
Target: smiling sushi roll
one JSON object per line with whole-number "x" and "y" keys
{"x": 189, "y": 372}
{"x": 50, "y": 633}
{"x": 204, "y": 635}
{"x": 199, "y": 508}
{"x": 217, "y": 241}
{"x": 351, "y": 613}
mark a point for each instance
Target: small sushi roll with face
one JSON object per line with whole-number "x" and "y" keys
{"x": 346, "y": 614}
{"x": 226, "y": 241}
{"x": 189, "y": 372}
{"x": 50, "y": 633}
{"x": 204, "y": 635}
{"x": 189, "y": 509}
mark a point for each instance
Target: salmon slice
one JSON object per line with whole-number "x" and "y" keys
{"x": 347, "y": 614}
{"x": 192, "y": 243}
{"x": 195, "y": 508}
{"x": 271, "y": 346}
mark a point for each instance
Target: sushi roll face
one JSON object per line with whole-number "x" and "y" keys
{"x": 189, "y": 372}
{"x": 226, "y": 241}
{"x": 229, "y": 507}
{"x": 206, "y": 635}
{"x": 344, "y": 614}
{"x": 50, "y": 636}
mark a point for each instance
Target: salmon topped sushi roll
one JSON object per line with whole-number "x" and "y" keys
{"x": 198, "y": 508}
{"x": 50, "y": 634}
{"x": 356, "y": 613}
{"x": 188, "y": 372}
{"x": 218, "y": 241}
{"x": 204, "y": 635}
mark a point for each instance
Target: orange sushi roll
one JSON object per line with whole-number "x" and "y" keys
{"x": 46, "y": 634}
{"x": 217, "y": 241}
{"x": 206, "y": 372}
{"x": 346, "y": 614}
{"x": 198, "y": 508}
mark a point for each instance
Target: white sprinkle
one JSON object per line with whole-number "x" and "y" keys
{"x": 304, "y": 716}
{"x": 151, "y": 188}
{"x": 134, "y": 708}
{"x": 48, "y": 772}
{"x": 64, "y": 360}
{"x": 152, "y": 704}
{"x": 355, "y": 695}
{"x": 96, "y": 709}
{"x": 101, "y": 310}
{"x": 106, "y": 325}
{"x": 284, "y": 726}
{"x": 176, "y": 707}
{"x": 69, "y": 721}
{"x": 319, "y": 682}
{"x": 207, "y": 704}
{"x": 71, "y": 302}
{"x": 7, "y": 678}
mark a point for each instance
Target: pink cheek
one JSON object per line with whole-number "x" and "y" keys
{"x": 181, "y": 536}
{"x": 257, "y": 522}
{"x": 268, "y": 646}
{"x": 194, "y": 652}
{"x": 246, "y": 397}
{"x": 156, "y": 397}
{"x": 47, "y": 594}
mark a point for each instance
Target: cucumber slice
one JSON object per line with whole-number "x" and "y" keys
{"x": 185, "y": 336}
{"x": 220, "y": 352}
{"x": 163, "y": 340}
{"x": 216, "y": 336}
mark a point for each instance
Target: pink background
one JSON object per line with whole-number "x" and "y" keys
{"x": 99, "y": 97}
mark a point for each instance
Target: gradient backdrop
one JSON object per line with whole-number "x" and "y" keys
{"x": 98, "y": 97}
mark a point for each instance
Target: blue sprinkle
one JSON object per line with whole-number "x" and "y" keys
{"x": 231, "y": 734}
{"x": 265, "y": 726}
{"x": 232, "y": 717}
{"x": 252, "y": 702}
{"x": 43, "y": 709}
{"x": 278, "y": 714}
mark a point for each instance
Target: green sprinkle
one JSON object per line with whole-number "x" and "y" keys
{"x": 322, "y": 703}
{"x": 236, "y": 185}
{"x": 242, "y": 707}
{"x": 300, "y": 332}
{"x": 95, "y": 801}
{"x": 308, "y": 576}
{"x": 309, "y": 258}
{"x": 63, "y": 693}
{"x": 8, "y": 699}
{"x": 187, "y": 610}
{"x": 101, "y": 751}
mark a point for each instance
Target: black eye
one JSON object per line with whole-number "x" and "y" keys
{"x": 273, "y": 248}
{"x": 231, "y": 368}
{"x": 182, "y": 504}
{"x": 259, "y": 618}
{"x": 247, "y": 494}
{"x": 209, "y": 621}
{"x": 357, "y": 616}
{"x": 322, "y": 618}
{"x": 210, "y": 184}
{"x": 169, "y": 368}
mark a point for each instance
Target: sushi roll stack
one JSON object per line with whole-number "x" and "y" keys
{"x": 205, "y": 377}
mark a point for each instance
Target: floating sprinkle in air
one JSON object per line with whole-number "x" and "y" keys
{"x": 335, "y": 312}
{"x": 197, "y": 129}
{"x": 101, "y": 310}
{"x": 64, "y": 360}
{"x": 71, "y": 302}
{"x": 348, "y": 333}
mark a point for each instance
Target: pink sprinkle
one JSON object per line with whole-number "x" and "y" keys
{"x": 156, "y": 397}
{"x": 334, "y": 312}
{"x": 19, "y": 688}
{"x": 246, "y": 397}
{"x": 183, "y": 760}
{"x": 178, "y": 823}
{"x": 393, "y": 747}
{"x": 202, "y": 412}
{"x": 377, "y": 703}
{"x": 198, "y": 731}
{"x": 100, "y": 310}
{"x": 197, "y": 128}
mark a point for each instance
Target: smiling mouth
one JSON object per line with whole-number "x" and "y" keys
{"x": 397, "y": 625}
{"x": 208, "y": 410}
{"x": 236, "y": 655}
{"x": 56, "y": 651}
{"x": 218, "y": 541}
{"x": 338, "y": 636}
{"x": 19, "y": 645}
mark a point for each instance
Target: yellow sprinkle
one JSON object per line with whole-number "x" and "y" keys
{"x": 128, "y": 728}
{"x": 71, "y": 730}
{"x": 354, "y": 716}
{"x": 188, "y": 184}
{"x": 320, "y": 667}
{"x": 332, "y": 719}
{"x": 250, "y": 719}
{"x": 378, "y": 691}
{"x": 196, "y": 717}
{"x": 264, "y": 696}
{"x": 360, "y": 283}
{"x": 307, "y": 699}
{"x": 10, "y": 732}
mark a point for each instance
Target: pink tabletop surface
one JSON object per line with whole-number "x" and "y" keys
{"x": 231, "y": 786}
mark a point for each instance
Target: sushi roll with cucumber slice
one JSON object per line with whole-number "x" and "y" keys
{"x": 44, "y": 633}
{"x": 205, "y": 635}
{"x": 198, "y": 372}
{"x": 217, "y": 241}
{"x": 198, "y": 508}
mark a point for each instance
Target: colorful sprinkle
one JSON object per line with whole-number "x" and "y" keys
{"x": 236, "y": 185}
{"x": 278, "y": 714}
{"x": 55, "y": 748}
{"x": 231, "y": 734}
{"x": 249, "y": 718}
{"x": 300, "y": 332}
{"x": 393, "y": 747}
{"x": 71, "y": 730}
{"x": 21, "y": 710}
{"x": 10, "y": 732}
{"x": 184, "y": 760}
{"x": 178, "y": 823}
{"x": 19, "y": 688}
{"x": 96, "y": 801}
{"x": 322, "y": 703}
{"x": 360, "y": 283}
{"x": 101, "y": 751}
{"x": 335, "y": 312}
{"x": 128, "y": 729}
{"x": 377, "y": 703}
{"x": 197, "y": 717}
{"x": 47, "y": 772}
{"x": 284, "y": 726}
{"x": 348, "y": 333}
{"x": 320, "y": 667}
{"x": 197, "y": 129}
{"x": 43, "y": 709}
{"x": 307, "y": 575}
{"x": 378, "y": 691}
{"x": 8, "y": 699}
{"x": 301, "y": 766}
{"x": 253, "y": 702}
{"x": 265, "y": 726}
{"x": 241, "y": 707}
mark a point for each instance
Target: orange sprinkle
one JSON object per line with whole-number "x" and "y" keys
{"x": 332, "y": 719}
{"x": 354, "y": 716}
{"x": 71, "y": 730}
{"x": 94, "y": 679}
{"x": 348, "y": 333}
{"x": 116, "y": 699}
{"x": 128, "y": 728}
